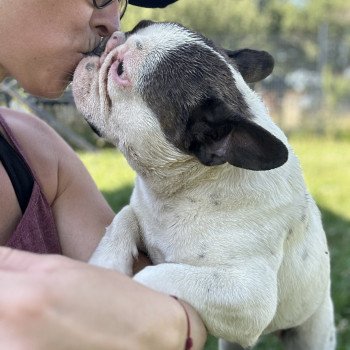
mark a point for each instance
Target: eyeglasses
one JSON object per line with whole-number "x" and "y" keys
{"x": 100, "y": 4}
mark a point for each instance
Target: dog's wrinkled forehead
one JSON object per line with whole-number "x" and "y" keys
{"x": 179, "y": 60}
{"x": 182, "y": 68}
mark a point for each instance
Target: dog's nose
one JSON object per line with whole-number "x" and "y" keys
{"x": 115, "y": 40}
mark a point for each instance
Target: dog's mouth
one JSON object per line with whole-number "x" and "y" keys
{"x": 94, "y": 129}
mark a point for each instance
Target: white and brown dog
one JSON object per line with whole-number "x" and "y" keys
{"x": 220, "y": 203}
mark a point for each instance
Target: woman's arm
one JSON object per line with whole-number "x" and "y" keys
{"x": 81, "y": 213}
{"x": 52, "y": 302}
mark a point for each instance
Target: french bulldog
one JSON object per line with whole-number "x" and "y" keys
{"x": 219, "y": 203}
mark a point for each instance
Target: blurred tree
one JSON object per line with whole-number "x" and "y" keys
{"x": 225, "y": 21}
{"x": 294, "y": 31}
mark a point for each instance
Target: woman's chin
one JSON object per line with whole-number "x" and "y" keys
{"x": 50, "y": 90}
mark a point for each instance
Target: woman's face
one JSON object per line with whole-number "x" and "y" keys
{"x": 42, "y": 41}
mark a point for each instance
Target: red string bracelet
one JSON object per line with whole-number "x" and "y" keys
{"x": 189, "y": 341}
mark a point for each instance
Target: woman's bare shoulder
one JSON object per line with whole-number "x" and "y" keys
{"x": 25, "y": 125}
{"x": 41, "y": 145}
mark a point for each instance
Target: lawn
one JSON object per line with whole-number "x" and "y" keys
{"x": 326, "y": 165}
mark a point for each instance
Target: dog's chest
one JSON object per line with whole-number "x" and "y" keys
{"x": 197, "y": 229}
{"x": 176, "y": 232}
{"x": 183, "y": 229}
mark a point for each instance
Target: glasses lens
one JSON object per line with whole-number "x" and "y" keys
{"x": 122, "y": 7}
{"x": 103, "y": 3}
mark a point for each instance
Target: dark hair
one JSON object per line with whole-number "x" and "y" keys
{"x": 151, "y": 3}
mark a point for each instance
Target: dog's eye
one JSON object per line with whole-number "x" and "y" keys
{"x": 120, "y": 69}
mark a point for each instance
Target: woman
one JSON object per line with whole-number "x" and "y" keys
{"x": 49, "y": 204}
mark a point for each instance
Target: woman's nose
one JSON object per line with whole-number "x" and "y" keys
{"x": 106, "y": 21}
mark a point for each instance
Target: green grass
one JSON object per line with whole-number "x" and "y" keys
{"x": 326, "y": 165}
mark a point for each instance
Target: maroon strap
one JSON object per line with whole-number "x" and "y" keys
{"x": 189, "y": 341}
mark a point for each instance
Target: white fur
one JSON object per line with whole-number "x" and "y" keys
{"x": 245, "y": 248}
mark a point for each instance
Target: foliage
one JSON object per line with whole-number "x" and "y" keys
{"x": 326, "y": 167}
{"x": 291, "y": 30}
{"x": 217, "y": 21}
{"x": 336, "y": 88}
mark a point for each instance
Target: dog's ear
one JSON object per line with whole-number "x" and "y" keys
{"x": 252, "y": 64}
{"x": 215, "y": 135}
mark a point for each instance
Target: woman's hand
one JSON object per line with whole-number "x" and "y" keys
{"x": 52, "y": 302}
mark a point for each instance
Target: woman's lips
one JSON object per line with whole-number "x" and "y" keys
{"x": 96, "y": 46}
{"x": 100, "y": 48}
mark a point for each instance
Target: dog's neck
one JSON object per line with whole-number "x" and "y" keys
{"x": 176, "y": 178}
{"x": 167, "y": 175}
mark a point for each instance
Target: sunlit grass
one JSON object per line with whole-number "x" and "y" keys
{"x": 109, "y": 169}
{"x": 326, "y": 166}
{"x": 112, "y": 174}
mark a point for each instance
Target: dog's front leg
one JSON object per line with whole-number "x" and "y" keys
{"x": 236, "y": 304}
{"x": 118, "y": 247}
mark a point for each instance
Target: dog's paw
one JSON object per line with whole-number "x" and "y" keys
{"x": 157, "y": 278}
{"x": 112, "y": 260}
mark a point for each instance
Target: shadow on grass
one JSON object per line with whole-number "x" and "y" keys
{"x": 338, "y": 233}
{"x": 117, "y": 199}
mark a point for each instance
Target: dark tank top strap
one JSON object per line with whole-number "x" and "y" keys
{"x": 16, "y": 167}
{"x": 36, "y": 231}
